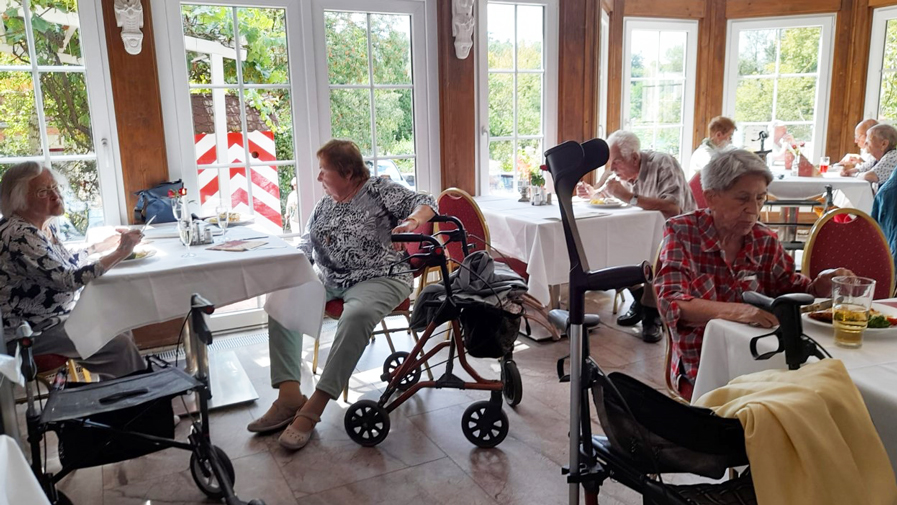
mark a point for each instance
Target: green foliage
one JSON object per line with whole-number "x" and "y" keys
{"x": 887, "y": 107}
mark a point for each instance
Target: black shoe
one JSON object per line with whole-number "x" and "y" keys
{"x": 652, "y": 327}
{"x": 632, "y": 316}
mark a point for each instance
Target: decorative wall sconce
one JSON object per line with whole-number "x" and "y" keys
{"x": 462, "y": 27}
{"x": 129, "y": 17}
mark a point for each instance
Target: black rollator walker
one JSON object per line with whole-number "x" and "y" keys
{"x": 128, "y": 417}
{"x": 647, "y": 432}
{"x": 484, "y": 423}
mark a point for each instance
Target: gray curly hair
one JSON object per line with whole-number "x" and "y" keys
{"x": 14, "y": 185}
{"x": 627, "y": 143}
{"x": 726, "y": 168}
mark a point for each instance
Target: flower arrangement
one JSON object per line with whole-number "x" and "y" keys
{"x": 179, "y": 204}
{"x": 536, "y": 178}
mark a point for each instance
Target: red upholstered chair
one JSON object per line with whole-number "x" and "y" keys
{"x": 458, "y": 203}
{"x": 334, "y": 308}
{"x": 697, "y": 190}
{"x": 857, "y": 244}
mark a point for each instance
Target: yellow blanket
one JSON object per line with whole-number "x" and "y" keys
{"x": 809, "y": 437}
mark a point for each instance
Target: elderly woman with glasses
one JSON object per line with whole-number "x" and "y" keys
{"x": 881, "y": 144}
{"x": 40, "y": 277}
{"x": 710, "y": 257}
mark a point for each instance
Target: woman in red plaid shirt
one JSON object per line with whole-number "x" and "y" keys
{"x": 710, "y": 257}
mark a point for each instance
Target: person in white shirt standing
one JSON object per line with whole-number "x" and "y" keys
{"x": 719, "y": 140}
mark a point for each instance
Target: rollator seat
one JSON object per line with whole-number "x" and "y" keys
{"x": 561, "y": 319}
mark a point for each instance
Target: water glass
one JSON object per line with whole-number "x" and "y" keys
{"x": 223, "y": 218}
{"x": 185, "y": 232}
{"x": 851, "y": 301}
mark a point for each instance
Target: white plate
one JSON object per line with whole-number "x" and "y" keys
{"x": 608, "y": 204}
{"x": 149, "y": 254}
{"x": 243, "y": 220}
{"x": 872, "y": 332}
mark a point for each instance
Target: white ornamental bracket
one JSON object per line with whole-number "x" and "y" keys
{"x": 462, "y": 27}
{"x": 129, "y": 17}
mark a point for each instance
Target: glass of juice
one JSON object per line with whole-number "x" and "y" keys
{"x": 824, "y": 164}
{"x": 851, "y": 301}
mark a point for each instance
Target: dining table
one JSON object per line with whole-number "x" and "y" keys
{"x": 848, "y": 191}
{"x": 611, "y": 236}
{"x": 725, "y": 355}
{"x": 159, "y": 287}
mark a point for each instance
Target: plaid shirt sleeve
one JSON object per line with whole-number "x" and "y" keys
{"x": 782, "y": 277}
{"x": 673, "y": 278}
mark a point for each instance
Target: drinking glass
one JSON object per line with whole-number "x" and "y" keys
{"x": 851, "y": 301}
{"x": 223, "y": 218}
{"x": 185, "y": 232}
{"x": 824, "y": 164}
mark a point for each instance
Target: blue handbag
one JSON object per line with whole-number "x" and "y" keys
{"x": 154, "y": 202}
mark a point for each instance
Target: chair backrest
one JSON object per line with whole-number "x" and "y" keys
{"x": 858, "y": 245}
{"x": 697, "y": 190}
{"x": 457, "y": 202}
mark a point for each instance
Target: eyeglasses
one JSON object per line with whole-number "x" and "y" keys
{"x": 45, "y": 192}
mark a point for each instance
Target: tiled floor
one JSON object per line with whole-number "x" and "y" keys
{"x": 424, "y": 460}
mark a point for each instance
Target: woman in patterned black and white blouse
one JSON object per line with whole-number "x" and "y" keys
{"x": 348, "y": 240}
{"x": 41, "y": 278}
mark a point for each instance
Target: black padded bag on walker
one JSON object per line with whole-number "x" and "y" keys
{"x": 489, "y": 332}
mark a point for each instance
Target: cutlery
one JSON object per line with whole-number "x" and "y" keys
{"x": 272, "y": 247}
{"x": 825, "y": 304}
{"x": 147, "y": 224}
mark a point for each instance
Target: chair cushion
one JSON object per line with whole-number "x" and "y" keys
{"x": 49, "y": 362}
{"x": 697, "y": 190}
{"x": 334, "y": 308}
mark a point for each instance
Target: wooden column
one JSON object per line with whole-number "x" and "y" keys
{"x": 457, "y": 107}
{"x": 615, "y": 69}
{"x": 710, "y": 70}
{"x": 578, "y": 70}
{"x": 849, "y": 70}
{"x": 138, "y": 106}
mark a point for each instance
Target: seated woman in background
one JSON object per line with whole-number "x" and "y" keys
{"x": 40, "y": 278}
{"x": 881, "y": 144}
{"x": 710, "y": 257}
{"x": 348, "y": 239}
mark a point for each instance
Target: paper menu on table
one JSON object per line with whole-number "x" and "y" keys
{"x": 238, "y": 245}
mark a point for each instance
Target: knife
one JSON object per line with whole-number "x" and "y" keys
{"x": 147, "y": 224}
{"x": 824, "y": 304}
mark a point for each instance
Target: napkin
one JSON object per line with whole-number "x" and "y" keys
{"x": 238, "y": 245}
{"x": 11, "y": 368}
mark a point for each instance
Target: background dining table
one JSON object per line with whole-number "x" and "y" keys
{"x": 725, "y": 354}
{"x": 534, "y": 234}
{"x": 848, "y": 191}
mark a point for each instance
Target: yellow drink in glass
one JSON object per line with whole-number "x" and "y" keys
{"x": 850, "y": 321}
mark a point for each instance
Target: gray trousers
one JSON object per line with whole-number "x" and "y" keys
{"x": 365, "y": 305}
{"x": 117, "y": 358}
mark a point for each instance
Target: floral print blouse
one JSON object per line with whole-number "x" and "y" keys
{"x": 39, "y": 276}
{"x": 349, "y": 242}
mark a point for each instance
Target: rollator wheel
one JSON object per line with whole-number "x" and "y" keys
{"x": 484, "y": 424}
{"x": 513, "y": 385}
{"x": 367, "y": 423}
{"x": 393, "y": 362}
{"x": 204, "y": 477}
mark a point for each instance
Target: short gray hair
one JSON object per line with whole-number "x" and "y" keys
{"x": 884, "y": 132}
{"x": 726, "y": 168}
{"x": 14, "y": 185}
{"x": 627, "y": 142}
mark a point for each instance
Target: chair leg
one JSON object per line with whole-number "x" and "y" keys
{"x": 73, "y": 369}
{"x": 392, "y": 347}
{"x": 618, "y": 300}
{"x": 540, "y": 316}
{"x": 314, "y": 360}
{"x": 346, "y": 394}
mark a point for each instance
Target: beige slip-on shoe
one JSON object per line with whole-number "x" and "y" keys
{"x": 294, "y": 439}
{"x": 278, "y": 416}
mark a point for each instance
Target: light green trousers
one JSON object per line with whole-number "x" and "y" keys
{"x": 365, "y": 305}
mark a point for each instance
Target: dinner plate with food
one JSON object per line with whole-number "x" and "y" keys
{"x": 139, "y": 255}
{"x": 605, "y": 202}
{"x": 882, "y": 320}
{"x": 233, "y": 219}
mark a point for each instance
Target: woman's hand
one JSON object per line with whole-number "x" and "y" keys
{"x": 748, "y": 314}
{"x": 848, "y": 172}
{"x": 584, "y": 190}
{"x": 821, "y": 287}
{"x": 128, "y": 241}
{"x": 407, "y": 226}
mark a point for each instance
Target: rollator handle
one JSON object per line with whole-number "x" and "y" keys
{"x": 619, "y": 277}
{"x": 415, "y": 237}
{"x": 797, "y": 346}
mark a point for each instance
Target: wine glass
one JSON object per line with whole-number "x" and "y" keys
{"x": 185, "y": 232}
{"x": 223, "y": 217}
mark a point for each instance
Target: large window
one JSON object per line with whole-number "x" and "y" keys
{"x": 779, "y": 70}
{"x": 881, "y": 86}
{"x": 659, "y": 72}
{"x": 518, "y": 91}
{"x": 49, "y": 106}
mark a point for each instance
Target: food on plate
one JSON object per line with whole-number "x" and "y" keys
{"x": 232, "y": 217}
{"x": 136, "y": 255}
{"x": 597, "y": 201}
{"x": 604, "y": 201}
{"x": 876, "y": 318}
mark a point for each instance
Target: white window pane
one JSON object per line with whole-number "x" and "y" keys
{"x": 800, "y": 50}
{"x": 668, "y": 140}
{"x": 501, "y": 105}
{"x": 796, "y": 99}
{"x": 217, "y": 126}
{"x": 501, "y": 167}
{"x": 645, "y": 136}
{"x": 500, "y": 33}
{"x": 890, "y": 56}
{"x": 57, "y": 39}
{"x": 753, "y": 100}
{"x": 669, "y": 103}
{"x": 391, "y": 47}
{"x": 529, "y": 156}
{"x": 644, "y": 45}
{"x": 395, "y": 122}
{"x": 887, "y": 108}
{"x": 642, "y": 103}
{"x": 529, "y": 104}
{"x": 19, "y": 130}
{"x": 263, "y": 32}
{"x": 83, "y": 203}
{"x": 757, "y": 52}
{"x": 270, "y": 111}
{"x": 671, "y": 52}
{"x": 14, "y": 35}
{"x": 209, "y": 42}
{"x": 347, "y": 47}
{"x": 350, "y": 117}
{"x": 67, "y": 112}
{"x": 530, "y": 27}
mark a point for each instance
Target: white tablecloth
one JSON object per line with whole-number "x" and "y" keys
{"x": 159, "y": 288}
{"x": 534, "y": 234}
{"x": 18, "y": 485}
{"x": 849, "y": 192}
{"x": 726, "y": 354}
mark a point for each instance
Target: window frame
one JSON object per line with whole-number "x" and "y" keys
{"x": 550, "y": 51}
{"x": 877, "y": 40}
{"x": 603, "y": 71}
{"x": 97, "y": 79}
{"x": 424, "y": 73}
{"x": 823, "y": 70}
{"x": 690, "y": 27}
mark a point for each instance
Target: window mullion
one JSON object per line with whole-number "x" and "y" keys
{"x": 374, "y": 147}
{"x": 35, "y": 80}
{"x": 514, "y": 144}
{"x": 243, "y": 123}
